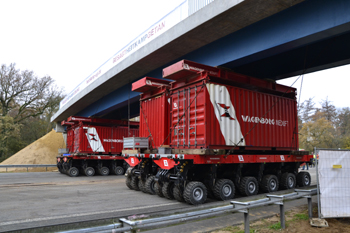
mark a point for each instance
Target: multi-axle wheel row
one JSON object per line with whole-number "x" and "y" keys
{"x": 74, "y": 169}
{"x": 196, "y": 192}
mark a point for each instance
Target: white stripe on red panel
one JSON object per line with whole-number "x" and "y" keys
{"x": 94, "y": 140}
{"x": 226, "y": 115}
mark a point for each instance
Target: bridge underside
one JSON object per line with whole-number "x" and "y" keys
{"x": 309, "y": 36}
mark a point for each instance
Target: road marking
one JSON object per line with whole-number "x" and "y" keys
{"x": 80, "y": 215}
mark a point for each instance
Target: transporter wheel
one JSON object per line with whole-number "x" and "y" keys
{"x": 210, "y": 192}
{"x": 288, "y": 181}
{"x": 158, "y": 189}
{"x": 178, "y": 194}
{"x": 303, "y": 179}
{"x": 89, "y": 171}
{"x": 142, "y": 185}
{"x": 128, "y": 182}
{"x": 73, "y": 172}
{"x": 119, "y": 170}
{"x": 269, "y": 183}
{"x": 135, "y": 183}
{"x": 224, "y": 189}
{"x": 167, "y": 190}
{"x": 150, "y": 185}
{"x": 249, "y": 186}
{"x": 104, "y": 171}
{"x": 82, "y": 171}
{"x": 195, "y": 193}
{"x": 65, "y": 168}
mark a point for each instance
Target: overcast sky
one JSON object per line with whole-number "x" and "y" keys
{"x": 70, "y": 39}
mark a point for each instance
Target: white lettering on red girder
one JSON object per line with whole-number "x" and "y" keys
{"x": 263, "y": 120}
{"x": 240, "y": 157}
{"x": 113, "y": 140}
{"x": 282, "y": 157}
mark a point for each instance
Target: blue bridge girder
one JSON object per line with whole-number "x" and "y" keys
{"x": 309, "y": 36}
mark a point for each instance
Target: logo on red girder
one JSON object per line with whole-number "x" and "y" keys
{"x": 92, "y": 137}
{"x": 226, "y": 114}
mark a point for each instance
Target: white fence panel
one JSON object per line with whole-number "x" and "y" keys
{"x": 334, "y": 183}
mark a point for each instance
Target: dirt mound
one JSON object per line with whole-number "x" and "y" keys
{"x": 42, "y": 151}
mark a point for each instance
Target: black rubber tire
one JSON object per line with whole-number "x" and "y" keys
{"x": 178, "y": 194}
{"x": 249, "y": 186}
{"x": 167, "y": 190}
{"x": 65, "y": 168}
{"x": 128, "y": 182}
{"x": 158, "y": 189}
{"x": 142, "y": 186}
{"x": 150, "y": 185}
{"x": 269, "y": 183}
{"x": 104, "y": 171}
{"x": 61, "y": 170}
{"x": 135, "y": 183}
{"x": 73, "y": 172}
{"x": 224, "y": 189}
{"x": 82, "y": 171}
{"x": 288, "y": 181}
{"x": 119, "y": 170}
{"x": 89, "y": 171}
{"x": 195, "y": 193}
{"x": 210, "y": 193}
{"x": 303, "y": 179}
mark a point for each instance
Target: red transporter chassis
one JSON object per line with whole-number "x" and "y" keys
{"x": 94, "y": 145}
{"x": 194, "y": 177}
{"x": 168, "y": 161}
{"x": 205, "y": 158}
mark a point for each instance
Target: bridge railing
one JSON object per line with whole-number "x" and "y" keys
{"x": 196, "y": 5}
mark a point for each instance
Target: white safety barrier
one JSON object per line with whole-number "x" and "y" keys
{"x": 333, "y": 171}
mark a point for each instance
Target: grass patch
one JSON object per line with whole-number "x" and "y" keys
{"x": 301, "y": 217}
{"x": 276, "y": 226}
{"x": 231, "y": 228}
{"x": 236, "y": 229}
{"x": 242, "y": 231}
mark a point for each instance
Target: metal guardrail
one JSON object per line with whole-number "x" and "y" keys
{"x": 28, "y": 166}
{"x": 126, "y": 225}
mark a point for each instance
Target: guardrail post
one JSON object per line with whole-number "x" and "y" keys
{"x": 282, "y": 217}
{"x": 27, "y": 169}
{"x": 246, "y": 221}
{"x": 126, "y": 223}
{"x": 309, "y": 203}
{"x": 279, "y": 201}
{"x": 309, "y": 199}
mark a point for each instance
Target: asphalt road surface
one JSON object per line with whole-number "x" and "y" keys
{"x": 49, "y": 198}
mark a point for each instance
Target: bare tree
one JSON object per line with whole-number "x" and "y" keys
{"x": 329, "y": 110}
{"x": 23, "y": 94}
{"x": 307, "y": 110}
{"x": 343, "y": 123}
